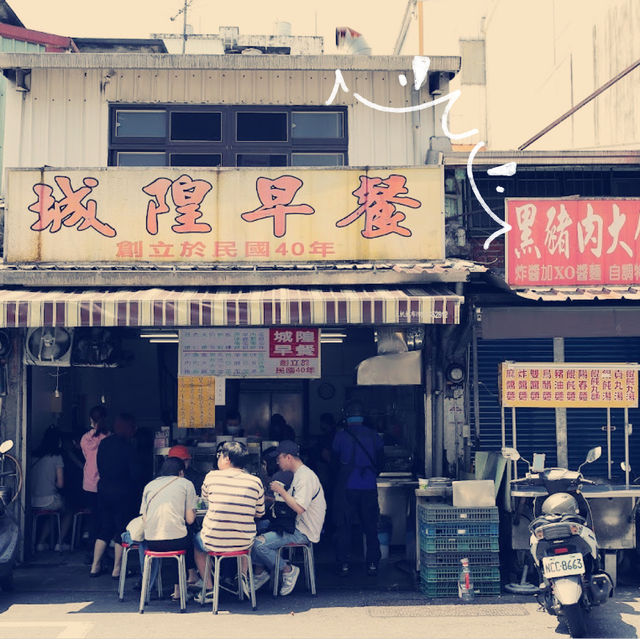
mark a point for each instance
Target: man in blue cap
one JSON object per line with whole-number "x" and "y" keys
{"x": 306, "y": 498}
{"x": 359, "y": 451}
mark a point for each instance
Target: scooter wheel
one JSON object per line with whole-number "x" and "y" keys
{"x": 574, "y": 619}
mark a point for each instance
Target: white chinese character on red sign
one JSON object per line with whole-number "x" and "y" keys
{"x": 557, "y": 235}
{"x": 590, "y": 231}
{"x": 614, "y": 231}
{"x": 525, "y": 218}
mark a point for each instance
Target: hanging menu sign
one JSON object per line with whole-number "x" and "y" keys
{"x": 250, "y": 352}
{"x": 575, "y": 385}
{"x": 196, "y": 402}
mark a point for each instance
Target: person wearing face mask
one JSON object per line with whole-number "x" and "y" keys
{"x": 232, "y": 424}
{"x": 359, "y": 454}
{"x": 98, "y": 430}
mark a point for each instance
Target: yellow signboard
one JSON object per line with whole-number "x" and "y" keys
{"x": 575, "y": 385}
{"x": 196, "y": 402}
{"x": 163, "y": 214}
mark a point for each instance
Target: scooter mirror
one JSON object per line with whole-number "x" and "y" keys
{"x": 511, "y": 453}
{"x": 625, "y": 466}
{"x": 6, "y": 446}
{"x": 593, "y": 454}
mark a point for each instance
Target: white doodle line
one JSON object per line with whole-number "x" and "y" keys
{"x": 420, "y": 65}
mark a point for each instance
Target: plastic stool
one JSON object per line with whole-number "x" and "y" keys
{"x": 149, "y": 556}
{"x": 76, "y": 528}
{"x": 309, "y": 566}
{"x": 217, "y": 559}
{"x": 43, "y": 512}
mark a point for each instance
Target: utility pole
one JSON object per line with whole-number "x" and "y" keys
{"x": 183, "y": 11}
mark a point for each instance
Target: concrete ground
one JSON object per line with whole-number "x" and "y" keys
{"x": 54, "y": 597}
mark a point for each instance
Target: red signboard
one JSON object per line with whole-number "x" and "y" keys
{"x": 573, "y": 242}
{"x": 294, "y": 342}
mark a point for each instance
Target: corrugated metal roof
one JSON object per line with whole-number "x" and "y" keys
{"x": 449, "y": 64}
{"x": 458, "y": 158}
{"x": 580, "y": 293}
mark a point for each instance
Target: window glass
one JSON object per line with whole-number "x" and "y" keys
{"x": 196, "y": 159}
{"x": 261, "y": 159}
{"x": 256, "y": 126}
{"x": 134, "y": 158}
{"x": 317, "y": 159}
{"x": 196, "y": 125}
{"x": 140, "y": 124}
{"x": 316, "y": 125}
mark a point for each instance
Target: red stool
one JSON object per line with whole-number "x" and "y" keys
{"x": 309, "y": 566}
{"x": 149, "y": 556}
{"x": 217, "y": 558}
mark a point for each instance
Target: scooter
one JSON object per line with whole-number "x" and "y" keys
{"x": 8, "y": 525}
{"x": 562, "y": 543}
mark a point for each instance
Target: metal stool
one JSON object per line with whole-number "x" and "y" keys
{"x": 76, "y": 528}
{"x": 44, "y": 512}
{"x": 309, "y": 566}
{"x": 149, "y": 556}
{"x": 123, "y": 570}
{"x": 217, "y": 559}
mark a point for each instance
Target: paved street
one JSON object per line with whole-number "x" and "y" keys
{"x": 60, "y": 601}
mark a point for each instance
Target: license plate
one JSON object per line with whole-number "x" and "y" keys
{"x": 562, "y": 565}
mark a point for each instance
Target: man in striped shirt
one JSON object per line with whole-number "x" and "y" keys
{"x": 235, "y": 499}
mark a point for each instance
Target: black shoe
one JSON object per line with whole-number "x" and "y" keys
{"x": 372, "y": 570}
{"x": 344, "y": 570}
{"x": 138, "y": 585}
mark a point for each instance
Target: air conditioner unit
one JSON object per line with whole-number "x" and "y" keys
{"x": 48, "y": 346}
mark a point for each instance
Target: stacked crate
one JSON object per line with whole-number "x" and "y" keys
{"x": 447, "y": 535}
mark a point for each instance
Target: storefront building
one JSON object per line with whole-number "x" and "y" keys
{"x": 217, "y": 204}
{"x": 563, "y": 290}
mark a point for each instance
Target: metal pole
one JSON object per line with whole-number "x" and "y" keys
{"x": 476, "y": 398}
{"x": 184, "y": 27}
{"x": 608, "y": 443}
{"x": 420, "y": 29}
{"x": 626, "y": 446}
{"x": 504, "y": 428}
{"x": 514, "y": 439}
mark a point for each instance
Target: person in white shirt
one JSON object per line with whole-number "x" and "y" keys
{"x": 306, "y": 497}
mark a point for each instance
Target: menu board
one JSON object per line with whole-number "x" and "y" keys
{"x": 196, "y": 402}
{"x": 573, "y": 385}
{"x": 250, "y": 352}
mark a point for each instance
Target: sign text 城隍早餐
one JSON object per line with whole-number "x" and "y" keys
{"x": 224, "y": 215}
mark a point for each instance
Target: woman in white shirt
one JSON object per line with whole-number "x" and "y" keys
{"x": 168, "y": 505}
{"x": 47, "y": 475}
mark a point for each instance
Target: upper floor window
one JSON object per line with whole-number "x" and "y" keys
{"x": 249, "y": 136}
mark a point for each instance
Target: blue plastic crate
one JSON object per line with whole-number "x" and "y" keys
{"x": 434, "y": 574}
{"x": 433, "y": 513}
{"x": 460, "y": 528}
{"x": 486, "y": 558}
{"x": 461, "y": 543}
{"x": 450, "y": 588}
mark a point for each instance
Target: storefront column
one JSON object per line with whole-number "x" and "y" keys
{"x": 562, "y": 450}
{"x": 428, "y": 416}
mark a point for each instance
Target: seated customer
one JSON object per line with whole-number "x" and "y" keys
{"x": 282, "y": 518}
{"x": 235, "y": 499}
{"x": 168, "y": 506}
{"x": 306, "y": 498}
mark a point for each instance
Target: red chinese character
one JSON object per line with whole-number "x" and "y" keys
{"x": 558, "y": 374}
{"x": 535, "y": 383}
{"x": 535, "y": 395}
{"x": 571, "y": 396}
{"x": 522, "y": 374}
{"x": 511, "y": 373}
{"x": 522, "y": 395}
{"x": 321, "y": 248}
{"x": 68, "y": 210}
{"x": 161, "y": 249}
{"x": 189, "y": 249}
{"x": 546, "y": 396}
{"x": 535, "y": 373}
{"x": 222, "y": 249}
{"x": 511, "y": 395}
{"x": 522, "y": 384}
{"x": 378, "y": 198}
{"x": 129, "y": 249}
{"x": 256, "y": 249}
{"x": 546, "y": 373}
{"x": 511, "y": 384}
{"x": 276, "y": 197}
{"x": 187, "y": 195}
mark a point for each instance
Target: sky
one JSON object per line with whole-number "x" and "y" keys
{"x": 379, "y": 21}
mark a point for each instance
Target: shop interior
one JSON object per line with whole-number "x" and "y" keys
{"x": 139, "y": 375}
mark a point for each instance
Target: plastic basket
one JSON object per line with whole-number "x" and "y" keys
{"x": 450, "y": 588}
{"x": 433, "y": 574}
{"x": 432, "y": 513}
{"x": 460, "y": 528}
{"x": 453, "y": 558}
{"x": 464, "y": 543}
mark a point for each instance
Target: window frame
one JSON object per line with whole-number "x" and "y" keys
{"x": 228, "y": 147}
